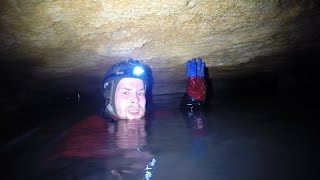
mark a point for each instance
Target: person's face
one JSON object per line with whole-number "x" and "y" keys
{"x": 130, "y": 100}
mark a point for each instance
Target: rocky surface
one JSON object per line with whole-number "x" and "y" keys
{"x": 70, "y": 44}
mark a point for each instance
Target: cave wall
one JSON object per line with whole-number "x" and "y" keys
{"x": 72, "y": 43}
{"x": 52, "y": 49}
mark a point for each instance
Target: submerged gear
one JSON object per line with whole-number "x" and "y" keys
{"x": 130, "y": 68}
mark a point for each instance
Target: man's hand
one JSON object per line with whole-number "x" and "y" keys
{"x": 195, "y": 67}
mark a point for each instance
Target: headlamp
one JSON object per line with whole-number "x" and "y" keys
{"x": 138, "y": 71}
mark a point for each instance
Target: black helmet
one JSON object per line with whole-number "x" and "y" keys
{"x": 130, "y": 68}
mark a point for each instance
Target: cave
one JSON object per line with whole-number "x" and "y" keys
{"x": 259, "y": 55}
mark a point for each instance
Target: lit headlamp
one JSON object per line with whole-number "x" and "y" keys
{"x": 138, "y": 71}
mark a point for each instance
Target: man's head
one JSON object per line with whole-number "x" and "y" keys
{"x": 124, "y": 87}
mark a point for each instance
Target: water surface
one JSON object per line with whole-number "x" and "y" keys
{"x": 256, "y": 139}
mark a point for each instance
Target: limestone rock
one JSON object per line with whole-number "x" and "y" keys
{"x": 78, "y": 40}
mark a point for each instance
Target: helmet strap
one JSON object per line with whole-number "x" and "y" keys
{"x": 110, "y": 103}
{"x": 110, "y": 109}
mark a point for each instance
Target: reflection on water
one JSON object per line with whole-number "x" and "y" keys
{"x": 130, "y": 134}
{"x": 119, "y": 147}
{"x": 234, "y": 142}
{"x": 130, "y": 138}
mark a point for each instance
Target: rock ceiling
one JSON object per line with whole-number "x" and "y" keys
{"x": 72, "y": 43}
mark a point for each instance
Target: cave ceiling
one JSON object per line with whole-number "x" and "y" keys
{"x": 70, "y": 44}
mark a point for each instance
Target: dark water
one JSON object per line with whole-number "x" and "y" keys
{"x": 240, "y": 139}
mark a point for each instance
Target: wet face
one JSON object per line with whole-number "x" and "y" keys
{"x": 130, "y": 100}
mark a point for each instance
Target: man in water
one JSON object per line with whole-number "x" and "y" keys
{"x": 125, "y": 85}
{"x": 124, "y": 89}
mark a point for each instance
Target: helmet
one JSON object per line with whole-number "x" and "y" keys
{"x": 130, "y": 68}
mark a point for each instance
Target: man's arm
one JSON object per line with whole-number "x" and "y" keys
{"x": 196, "y": 88}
